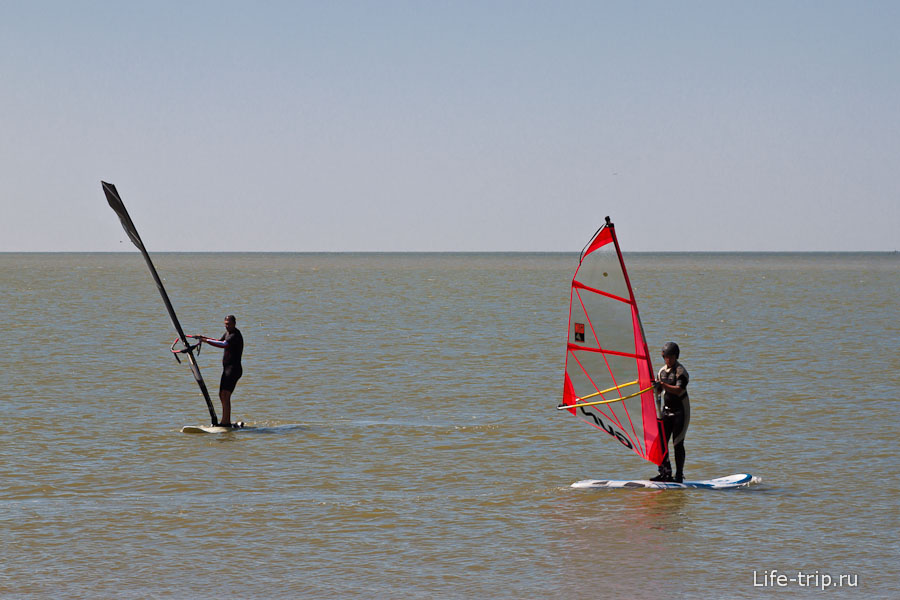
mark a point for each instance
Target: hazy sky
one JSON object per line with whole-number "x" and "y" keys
{"x": 348, "y": 126}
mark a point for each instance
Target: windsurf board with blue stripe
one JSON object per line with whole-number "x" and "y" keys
{"x": 720, "y": 483}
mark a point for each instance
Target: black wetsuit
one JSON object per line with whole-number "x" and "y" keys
{"x": 231, "y": 360}
{"x": 676, "y": 417}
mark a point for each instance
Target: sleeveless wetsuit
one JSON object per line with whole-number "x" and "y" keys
{"x": 231, "y": 360}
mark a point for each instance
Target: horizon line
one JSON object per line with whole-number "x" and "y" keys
{"x": 447, "y": 251}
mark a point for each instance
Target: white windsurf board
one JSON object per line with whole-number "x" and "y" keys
{"x": 720, "y": 483}
{"x": 212, "y": 428}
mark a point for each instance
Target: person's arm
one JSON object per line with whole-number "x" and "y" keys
{"x": 679, "y": 388}
{"x": 213, "y": 341}
{"x": 675, "y": 390}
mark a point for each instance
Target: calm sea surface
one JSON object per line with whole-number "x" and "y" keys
{"x": 408, "y": 442}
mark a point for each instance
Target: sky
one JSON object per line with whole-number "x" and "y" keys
{"x": 331, "y": 126}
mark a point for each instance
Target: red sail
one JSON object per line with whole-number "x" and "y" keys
{"x": 608, "y": 371}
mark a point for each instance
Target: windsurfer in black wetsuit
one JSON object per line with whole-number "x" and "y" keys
{"x": 672, "y": 381}
{"x": 233, "y": 343}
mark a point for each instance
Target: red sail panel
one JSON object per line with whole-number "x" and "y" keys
{"x": 607, "y": 360}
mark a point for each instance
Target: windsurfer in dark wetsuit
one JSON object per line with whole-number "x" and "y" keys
{"x": 233, "y": 343}
{"x": 672, "y": 381}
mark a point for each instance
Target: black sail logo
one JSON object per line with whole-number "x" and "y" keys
{"x": 607, "y": 428}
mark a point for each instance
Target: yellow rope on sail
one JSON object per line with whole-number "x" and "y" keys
{"x": 598, "y": 402}
{"x": 612, "y": 389}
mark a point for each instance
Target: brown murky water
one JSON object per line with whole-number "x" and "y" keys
{"x": 407, "y": 442}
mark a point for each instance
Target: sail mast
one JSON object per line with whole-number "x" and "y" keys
{"x": 640, "y": 338}
{"x": 115, "y": 202}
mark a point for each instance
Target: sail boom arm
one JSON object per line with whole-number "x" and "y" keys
{"x": 606, "y": 391}
{"x": 599, "y": 402}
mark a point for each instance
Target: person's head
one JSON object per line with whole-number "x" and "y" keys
{"x": 230, "y": 323}
{"x": 670, "y": 352}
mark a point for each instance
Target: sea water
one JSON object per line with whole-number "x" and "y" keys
{"x": 408, "y": 442}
